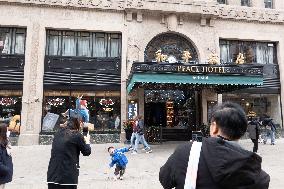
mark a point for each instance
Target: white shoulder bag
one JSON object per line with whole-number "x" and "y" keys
{"x": 192, "y": 167}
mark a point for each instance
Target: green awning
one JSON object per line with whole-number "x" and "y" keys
{"x": 193, "y": 79}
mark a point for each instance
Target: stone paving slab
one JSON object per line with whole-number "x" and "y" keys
{"x": 30, "y": 166}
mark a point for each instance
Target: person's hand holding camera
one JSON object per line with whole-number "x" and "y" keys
{"x": 87, "y": 138}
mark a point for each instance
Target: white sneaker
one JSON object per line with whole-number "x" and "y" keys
{"x": 133, "y": 152}
{"x": 143, "y": 149}
{"x": 149, "y": 151}
{"x": 121, "y": 177}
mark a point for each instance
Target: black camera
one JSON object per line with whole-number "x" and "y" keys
{"x": 85, "y": 130}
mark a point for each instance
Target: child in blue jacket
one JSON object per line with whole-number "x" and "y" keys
{"x": 119, "y": 159}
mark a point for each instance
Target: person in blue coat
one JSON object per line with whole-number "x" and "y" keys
{"x": 119, "y": 159}
{"x": 6, "y": 164}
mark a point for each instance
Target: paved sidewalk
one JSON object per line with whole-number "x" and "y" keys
{"x": 30, "y": 167}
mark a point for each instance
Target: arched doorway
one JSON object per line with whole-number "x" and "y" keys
{"x": 172, "y": 45}
{"x": 174, "y": 109}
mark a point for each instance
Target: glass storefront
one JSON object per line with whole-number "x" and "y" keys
{"x": 104, "y": 108}
{"x": 258, "y": 105}
{"x": 10, "y": 112}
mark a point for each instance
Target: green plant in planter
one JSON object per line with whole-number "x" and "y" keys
{"x": 127, "y": 125}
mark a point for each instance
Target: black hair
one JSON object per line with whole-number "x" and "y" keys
{"x": 231, "y": 119}
{"x": 110, "y": 148}
{"x": 73, "y": 124}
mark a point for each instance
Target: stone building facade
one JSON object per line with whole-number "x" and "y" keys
{"x": 203, "y": 23}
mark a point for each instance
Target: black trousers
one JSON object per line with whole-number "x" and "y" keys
{"x": 119, "y": 170}
{"x": 255, "y": 145}
{"x": 57, "y": 186}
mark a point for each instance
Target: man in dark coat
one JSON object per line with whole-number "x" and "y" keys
{"x": 63, "y": 169}
{"x": 223, "y": 164}
{"x": 253, "y": 130}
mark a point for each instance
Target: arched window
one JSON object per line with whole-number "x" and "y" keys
{"x": 172, "y": 45}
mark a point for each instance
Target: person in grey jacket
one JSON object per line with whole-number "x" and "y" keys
{"x": 253, "y": 130}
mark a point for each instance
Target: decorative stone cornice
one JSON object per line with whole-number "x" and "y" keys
{"x": 205, "y": 9}
{"x": 244, "y": 13}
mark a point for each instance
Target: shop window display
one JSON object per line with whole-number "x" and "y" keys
{"x": 257, "y": 105}
{"x": 10, "y": 112}
{"x": 104, "y": 112}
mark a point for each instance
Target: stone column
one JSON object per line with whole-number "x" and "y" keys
{"x": 33, "y": 85}
{"x": 141, "y": 102}
{"x": 124, "y": 95}
{"x": 207, "y": 95}
{"x": 219, "y": 99}
{"x": 280, "y": 48}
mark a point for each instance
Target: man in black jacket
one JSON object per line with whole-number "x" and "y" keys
{"x": 63, "y": 169}
{"x": 253, "y": 130}
{"x": 223, "y": 164}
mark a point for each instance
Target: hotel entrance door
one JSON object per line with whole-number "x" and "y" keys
{"x": 175, "y": 111}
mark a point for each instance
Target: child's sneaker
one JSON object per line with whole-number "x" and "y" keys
{"x": 121, "y": 177}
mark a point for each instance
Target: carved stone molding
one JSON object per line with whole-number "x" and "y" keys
{"x": 204, "y": 8}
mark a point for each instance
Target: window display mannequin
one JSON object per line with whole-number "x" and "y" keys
{"x": 81, "y": 110}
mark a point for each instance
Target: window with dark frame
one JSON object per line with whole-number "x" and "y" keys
{"x": 12, "y": 40}
{"x": 222, "y": 1}
{"x": 268, "y": 4}
{"x": 245, "y": 3}
{"x": 254, "y": 52}
{"x": 83, "y": 44}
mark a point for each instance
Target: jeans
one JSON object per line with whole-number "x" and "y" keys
{"x": 79, "y": 114}
{"x": 269, "y": 134}
{"x": 132, "y": 139}
{"x": 140, "y": 138}
{"x": 119, "y": 170}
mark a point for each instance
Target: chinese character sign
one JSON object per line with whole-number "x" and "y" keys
{"x": 132, "y": 109}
